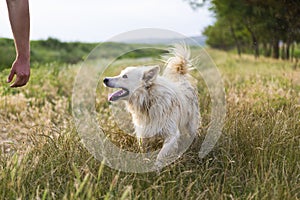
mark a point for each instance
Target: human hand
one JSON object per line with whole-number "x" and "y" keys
{"x": 20, "y": 68}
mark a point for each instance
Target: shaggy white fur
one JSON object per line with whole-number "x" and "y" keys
{"x": 165, "y": 106}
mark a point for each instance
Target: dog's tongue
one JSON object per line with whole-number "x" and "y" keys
{"x": 115, "y": 95}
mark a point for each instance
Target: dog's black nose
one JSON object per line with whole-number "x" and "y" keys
{"x": 105, "y": 81}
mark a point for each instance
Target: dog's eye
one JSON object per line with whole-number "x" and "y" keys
{"x": 124, "y": 76}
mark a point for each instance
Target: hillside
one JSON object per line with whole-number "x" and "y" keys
{"x": 53, "y": 50}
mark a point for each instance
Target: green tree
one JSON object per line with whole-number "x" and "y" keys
{"x": 266, "y": 22}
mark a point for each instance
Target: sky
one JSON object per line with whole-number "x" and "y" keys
{"x": 100, "y": 20}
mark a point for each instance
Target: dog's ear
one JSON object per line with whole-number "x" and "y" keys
{"x": 151, "y": 74}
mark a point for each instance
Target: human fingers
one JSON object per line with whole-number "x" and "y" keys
{"x": 20, "y": 81}
{"x": 11, "y": 75}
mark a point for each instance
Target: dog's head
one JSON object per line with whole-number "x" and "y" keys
{"x": 129, "y": 80}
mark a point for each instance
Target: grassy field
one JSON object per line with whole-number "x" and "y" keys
{"x": 257, "y": 156}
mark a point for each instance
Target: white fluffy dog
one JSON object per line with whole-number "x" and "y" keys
{"x": 165, "y": 106}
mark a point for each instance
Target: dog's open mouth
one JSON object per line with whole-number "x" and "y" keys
{"x": 118, "y": 94}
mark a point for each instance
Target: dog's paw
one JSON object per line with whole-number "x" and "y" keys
{"x": 158, "y": 165}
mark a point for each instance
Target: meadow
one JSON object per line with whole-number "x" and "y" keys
{"x": 256, "y": 157}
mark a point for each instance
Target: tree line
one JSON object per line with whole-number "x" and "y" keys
{"x": 268, "y": 27}
{"x": 46, "y": 51}
{"x": 54, "y": 50}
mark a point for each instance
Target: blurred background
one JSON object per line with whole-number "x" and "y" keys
{"x": 269, "y": 28}
{"x": 99, "y": 20}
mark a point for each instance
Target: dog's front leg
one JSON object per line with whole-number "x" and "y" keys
{"x": 168, "y": 151}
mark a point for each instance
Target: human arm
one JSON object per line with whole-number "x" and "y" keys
{"x": 20, "y": 24}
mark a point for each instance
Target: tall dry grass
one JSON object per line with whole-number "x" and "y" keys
{"x": 257, "y": 156}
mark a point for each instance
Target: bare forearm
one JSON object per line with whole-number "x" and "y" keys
{"x": 20, "y": 24}
{"x": 19, "y": 19}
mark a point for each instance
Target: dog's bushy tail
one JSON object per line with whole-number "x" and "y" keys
{"x": 178, "y": 62}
